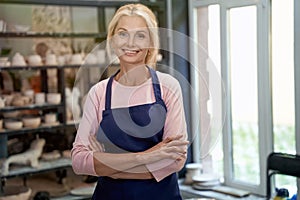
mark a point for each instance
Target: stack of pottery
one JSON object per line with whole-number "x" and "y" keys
{"x": 206, "y": 181}
{"x": 192, "y": 169}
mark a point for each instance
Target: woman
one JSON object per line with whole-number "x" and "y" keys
{"x": 140, "y": 143}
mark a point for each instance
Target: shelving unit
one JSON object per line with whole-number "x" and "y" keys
{"x": 61, "y": 164}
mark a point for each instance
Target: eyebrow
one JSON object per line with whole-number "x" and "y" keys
{"x": 129, "y": 31}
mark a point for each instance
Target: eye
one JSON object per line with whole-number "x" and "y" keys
{"x": 123, "y": 34}
{"x": 140, "y": 36}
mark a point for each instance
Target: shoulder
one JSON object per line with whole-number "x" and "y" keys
{"x": 98, "y": 90}
{"x": 99, "y": 87}
{"x": 167, "y": 81}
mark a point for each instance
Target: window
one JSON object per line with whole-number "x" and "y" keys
{"x": 283, "y": 97}
{"x": 243, "y": 87}
{"x": 250, "y": 44}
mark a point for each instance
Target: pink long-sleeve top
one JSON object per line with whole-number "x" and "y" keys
{"x": 126, "y": 96}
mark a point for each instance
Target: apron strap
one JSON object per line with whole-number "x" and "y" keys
{"x": 108, "y": 91}
{"x": 155, "y": 84}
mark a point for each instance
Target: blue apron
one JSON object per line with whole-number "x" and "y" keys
{"x": 134, "y": 129}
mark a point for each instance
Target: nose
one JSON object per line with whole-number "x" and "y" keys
{"x": 131, "y": 41}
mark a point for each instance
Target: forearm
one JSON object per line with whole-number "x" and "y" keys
{"x": 140, "y": 172}
{"x": 108, "y": 164}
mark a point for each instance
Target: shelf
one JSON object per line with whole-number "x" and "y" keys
{"x": 43, "y": 167}
{"x": 51, "y": 35}
{"x": 30, "y": 107}
{"x": 41, "y": 67}
{"x": 40, "y": 129}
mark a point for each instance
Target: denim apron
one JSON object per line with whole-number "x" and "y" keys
{"x": 134, "y": 129}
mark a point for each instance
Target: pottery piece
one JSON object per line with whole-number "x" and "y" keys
{"x": 11, "y": 114}
{"x": 30, "y": 156}
{"x": 8, "y": 99}
{"x": 51, "y": 155}
{"x": 13, "y": 124}
{"x": 4, "y": 62}
{"x": 39, "y": 98}
{"x": 2, "y": 102}
{"x": 35, "y": 60}
{"x": 51, "y": 59}
{"x": 76, "y": 59}
{"x": 18, "y": 60}
{"x": 31, "y": 122}
{"x": 192, "y": 169}
{"x": 50, "y": 118}
{"x": 54, "y": 98}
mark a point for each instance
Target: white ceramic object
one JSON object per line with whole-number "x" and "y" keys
{"x": 29, "y": 94}
{"x": 31, "y": 122}
{"x": 34, "y": 60}
{"x": 21, "y": 28}
{"x": 13, "y": 125}
{"x": 207, "y": 177}
{"x": 61, "y": 60}
{"x": 83, "y": 191}
{"x": 11, "y": 114}
{"x": 8, "y": 99}
{"x": 51, "y": 155}
{"x": 54, "y": 98}
{"x": 4, "y": 62}
{"x": 51, "y": 59}
{"x": 18, "y": 60}
{"x": 2, "y": 102}
{"x": 192, "y": 169}
{"x": 101, "y": 56}
{"x": 50, "y": 118}
{"x": 76, "y": 59}
{"x": 39, "y": 98}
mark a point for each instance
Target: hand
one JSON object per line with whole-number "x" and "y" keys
{"x": 95, "y": 145}
{"x": 171, "y": 148}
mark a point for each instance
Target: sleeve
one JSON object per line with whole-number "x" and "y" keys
{"x": 82, "y": 157}
{"x": 175, "y": 124}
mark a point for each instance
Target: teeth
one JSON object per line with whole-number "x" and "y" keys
{"x": 130, "y": 51}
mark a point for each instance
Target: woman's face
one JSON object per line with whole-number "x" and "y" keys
{"x": 131, "y": 40}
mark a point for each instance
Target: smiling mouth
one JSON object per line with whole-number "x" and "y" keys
{"x": 130, "y": 51}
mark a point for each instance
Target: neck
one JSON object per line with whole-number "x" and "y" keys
{"x": 133, "y": 76}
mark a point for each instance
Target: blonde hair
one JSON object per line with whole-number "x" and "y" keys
{"x": 150, "y": 19}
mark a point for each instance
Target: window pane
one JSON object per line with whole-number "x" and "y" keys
{"x": 283, "y": 83}
{"x": 244, "y": 99}
{"x": 208, "y": 30}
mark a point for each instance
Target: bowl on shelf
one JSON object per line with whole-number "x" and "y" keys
{"x": 4, "y": 61}
{"x": 21, "y": 28}
{"x": 13, "y": 124}
{"x": 11, "y": 114}
{"x": 35, "y": 60}
{"x": 53, "y": 98}
{"x": 31, "y": 121}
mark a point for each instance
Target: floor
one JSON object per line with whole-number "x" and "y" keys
{"x": 49, "y": 182}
